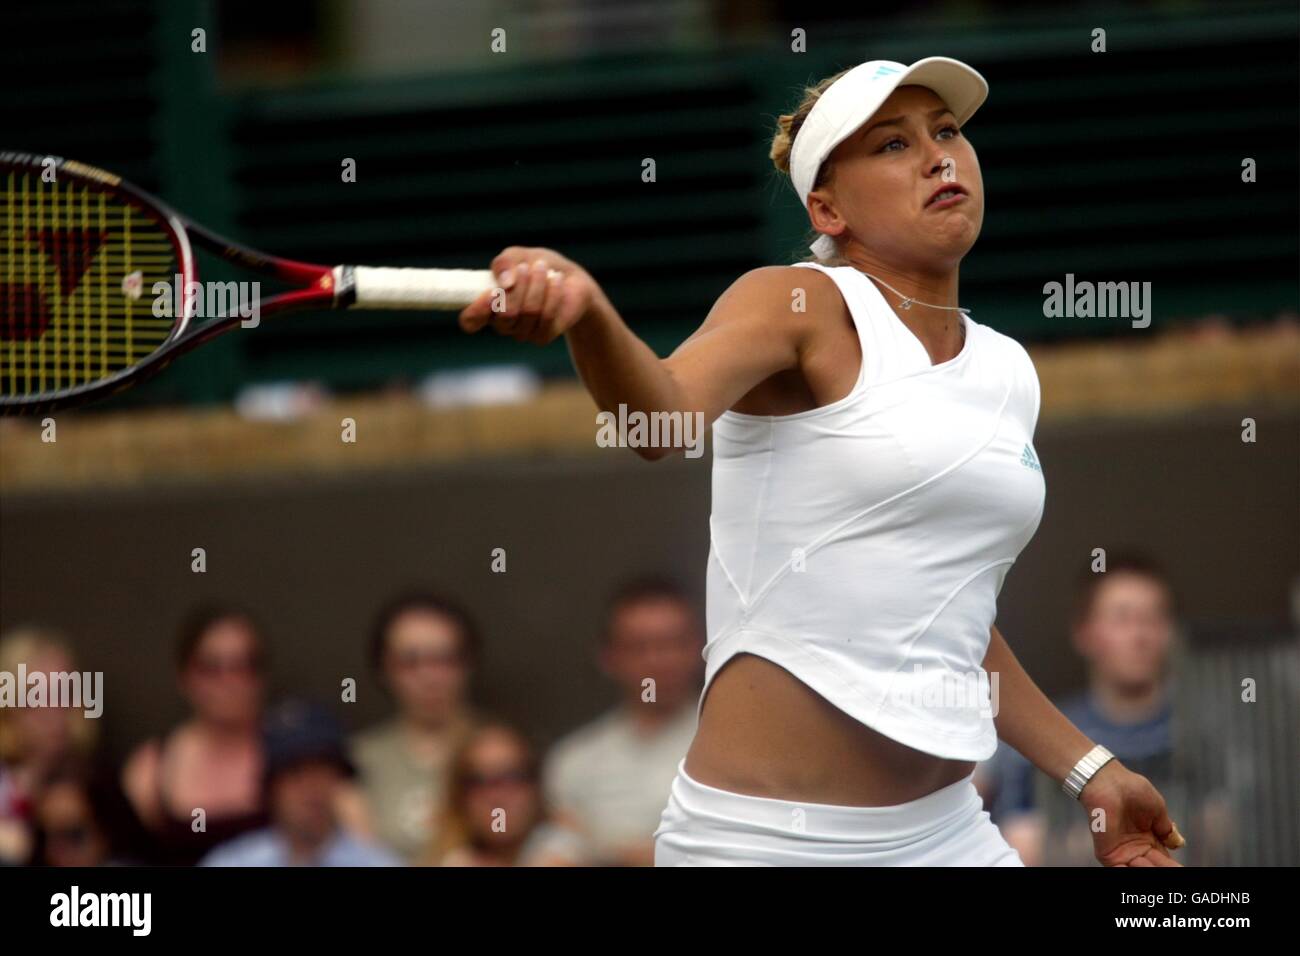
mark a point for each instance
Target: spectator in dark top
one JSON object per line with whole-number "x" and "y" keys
{"x": 1123, "y": 626}
{"x": 306, "y": 767}
{"x": 80, "y": 819}
{"x": 202, "y": 783}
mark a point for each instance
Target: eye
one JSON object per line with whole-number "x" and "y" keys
{"x": 887, "y": 147}
{"x": 953, "y": 130}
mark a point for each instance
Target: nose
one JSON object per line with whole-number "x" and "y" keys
{"x": 936, "y": 159}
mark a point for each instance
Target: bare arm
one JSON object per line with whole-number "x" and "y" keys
{"x": 1129, "y": 822}
{"x": 750, "y": 334}
{"x": 1027, "y": 720}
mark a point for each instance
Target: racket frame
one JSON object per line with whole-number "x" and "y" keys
{"x": 317, "y": 288}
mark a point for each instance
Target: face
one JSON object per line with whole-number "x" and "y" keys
{"x": 45, "y": 733}
{"x": 884, "y": 177}
{"x": 303, "y": 800}
{"x": 657, "y": 639}
{"x": 502, "y": 802}
{"x": 72, "y": 837}
{"x": 223, "y": 678}
{"x": 1127, "y": 633}
{"x": 425, "y": 666}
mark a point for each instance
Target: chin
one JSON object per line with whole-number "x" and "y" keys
{"x": 956, "y": 238}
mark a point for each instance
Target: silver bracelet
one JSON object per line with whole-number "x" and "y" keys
{"x": 1086, "y": 769}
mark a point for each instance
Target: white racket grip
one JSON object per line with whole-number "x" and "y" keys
{"x": 388, "y": 288}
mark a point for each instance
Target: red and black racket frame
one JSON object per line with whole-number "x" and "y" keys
{"x": 317, "y": 288}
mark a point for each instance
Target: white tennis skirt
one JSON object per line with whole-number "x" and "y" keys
{"x": 705, "y": 826}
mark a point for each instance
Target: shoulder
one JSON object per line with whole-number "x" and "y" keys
{"x": 144, "y": 758}
{"x": 551, "y": 845}
{"x": 786, "y": 281}
{"x": 374, "y": 740}
{"x": 140, "y": 775}
{"x": 1011, "y": 350}
{"x": 1018, "y": 366}
{"x": 250, "y": 849}
{"x": 574, "y": 747}
{"x": 351, "y": 851}
{"x": 780, "y": 293}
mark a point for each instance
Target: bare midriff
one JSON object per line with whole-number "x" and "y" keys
{"x": 764, "y": 733}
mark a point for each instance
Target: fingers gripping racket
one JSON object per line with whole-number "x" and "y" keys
{"x": 82, "y": 251}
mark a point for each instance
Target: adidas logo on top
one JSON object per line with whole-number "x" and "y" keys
{"x": 1029, "y": 459}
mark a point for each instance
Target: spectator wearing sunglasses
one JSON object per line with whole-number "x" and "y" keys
{"x": 79, "y": 820}
{"x": 494, "y": 814}
{"x": 201, "y": 784}
{"x": 423, "y": 648}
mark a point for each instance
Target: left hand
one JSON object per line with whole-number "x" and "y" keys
{"x": 1137, "y": 830}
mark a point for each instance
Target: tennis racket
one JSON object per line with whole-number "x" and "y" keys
{"x": 82, "y": 253}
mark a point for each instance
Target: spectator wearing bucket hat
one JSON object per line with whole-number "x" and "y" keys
{"x": 306, "y": 766}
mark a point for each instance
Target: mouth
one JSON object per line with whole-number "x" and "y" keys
{"x": 949, "y": 195}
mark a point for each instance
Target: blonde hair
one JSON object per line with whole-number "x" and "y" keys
{"x": 25, "y": 645}
{"x": 787, "y": 128}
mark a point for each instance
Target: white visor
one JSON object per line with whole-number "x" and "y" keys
{"x": 854, "y": 98}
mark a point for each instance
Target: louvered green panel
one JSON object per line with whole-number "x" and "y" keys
{"x": 85, "y": 93}
{"x": 1115, "y": 166}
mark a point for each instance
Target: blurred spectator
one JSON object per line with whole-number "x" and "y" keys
{"x": 494, "y": 815}
{"x": 306, "y": 766}
{"x": 213, "y": 761}
{"x": 35, "y": 741}
{"x": 609, "y": 780}
{"x": 78, "y": 820}
{"x": 1123, "y": 627}
{"x": 424, "y": 649}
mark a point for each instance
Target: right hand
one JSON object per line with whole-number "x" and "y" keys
{"x": 539, "y": 296}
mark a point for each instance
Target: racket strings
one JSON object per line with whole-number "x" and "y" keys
{"x": 77, "y": 275}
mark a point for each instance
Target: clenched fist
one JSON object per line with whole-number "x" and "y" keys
{"x": 540, "y": 295}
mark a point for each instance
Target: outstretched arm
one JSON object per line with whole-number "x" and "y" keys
{"x": 750, "y": 334}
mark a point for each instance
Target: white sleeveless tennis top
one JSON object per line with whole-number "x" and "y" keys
{"x": 862, "y": 545}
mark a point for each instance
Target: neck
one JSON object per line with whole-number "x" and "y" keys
{"x": 427, "y": 728}
{"x": 225, "y": 734}
{"x": 649, "y": 717}
{"x": 927, "y": 288}
{"x": 925, "y": 303}
{"x": 496, "y": 854}
{"x": 304, "y": 848}
{"x": 1128, "y": 704}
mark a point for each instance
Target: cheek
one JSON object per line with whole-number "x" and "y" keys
{"x": 968, "y": 171}
{"x": 883, "y": 207}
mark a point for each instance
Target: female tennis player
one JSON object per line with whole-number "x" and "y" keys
{"x": 874, "y": 479}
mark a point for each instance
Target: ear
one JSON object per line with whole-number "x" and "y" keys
{"x": 823, "y": 214}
